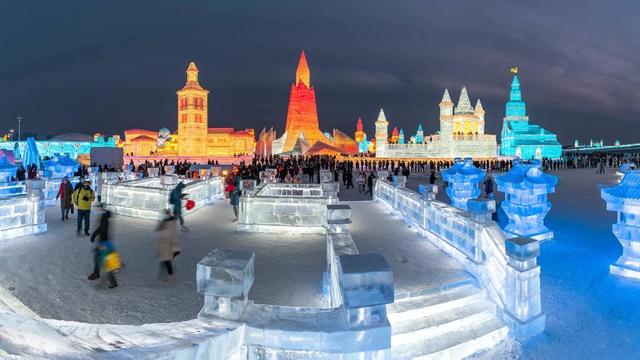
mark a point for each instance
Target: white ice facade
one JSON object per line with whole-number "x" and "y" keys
{"x": 624, "y": 199}
{"x": 461, "y": 134}
{"x": 148, "y": 198}
{"x": 506, "y": 269}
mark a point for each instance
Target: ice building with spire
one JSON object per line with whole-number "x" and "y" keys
{"x": 519, "y": 137}
{"x": 461, "y": 134}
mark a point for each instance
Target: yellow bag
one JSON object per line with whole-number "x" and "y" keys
{"x": 112, "y": 262}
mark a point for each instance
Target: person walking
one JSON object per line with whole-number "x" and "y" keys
{"x": 21, "y": 173}
{"x": 488, "y": 188}
{"x": 64, "y": 194}
{"x": 175, "y": 199}
{"x": 83, "y": 198}
{"x": 370, "y": 183}
{"x": 361, "y": 185}
{"x": 234, "y": 196}
{"x": 102, "y": 234}
{"x": 168, "y": 245}
{"x": 432, "y": 177}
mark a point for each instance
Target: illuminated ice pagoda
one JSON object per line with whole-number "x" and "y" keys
{"x": 519, "y": 137}
{"x": 461, "y": 134}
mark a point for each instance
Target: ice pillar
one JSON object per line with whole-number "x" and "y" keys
{"x": 622, "y": 199}
{"x": 463, "y": 178}
{"x": 225, "y": 277}
{"x": 526, "y": 188}
{"x": 523, "y": 310}
{"x": 481, "y": 209}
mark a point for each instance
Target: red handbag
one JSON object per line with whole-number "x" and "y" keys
{"x": 190, "y": 204}
{"x": 230, "y": 188}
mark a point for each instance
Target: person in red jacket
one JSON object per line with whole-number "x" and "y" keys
{"x": 64, "y": 194}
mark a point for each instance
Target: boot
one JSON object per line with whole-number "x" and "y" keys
{"x": 93, "y": 276}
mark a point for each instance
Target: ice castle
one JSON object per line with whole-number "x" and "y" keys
{"x": 461, "y": 134}
{"x": 521, "y": 138}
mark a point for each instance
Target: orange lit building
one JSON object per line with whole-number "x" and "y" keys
{"x": 193, "y": 140}
{"x": 302, "y": 125}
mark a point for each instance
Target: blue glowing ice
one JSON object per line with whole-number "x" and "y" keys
{"x": 624, "y": 199}
{"x": 463, "y": 178}
{"x": 31, "y": 155}
{"x": 526, "y": 187}
{"x": 60, "y": 166}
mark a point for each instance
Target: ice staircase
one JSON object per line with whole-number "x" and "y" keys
{"x": 453, "y": 321}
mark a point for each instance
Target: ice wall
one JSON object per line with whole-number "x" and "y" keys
{"x": 22, "y": 215}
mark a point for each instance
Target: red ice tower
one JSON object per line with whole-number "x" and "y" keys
{"x": 302, "y": 116}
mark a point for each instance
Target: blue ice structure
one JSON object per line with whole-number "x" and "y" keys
{"x": 522, "y": 139}
{"x": 624, "y": 199}
{"x": 7, "y": 170}
{"x": 363, "y": 146}
{"x": 59, "y": 167}
{"x": 31, "y": 154}
{"x": 16, "y": 151}
{"x": 526, "y": 187}
{"x": 74, "y": 145}
{"x": 419, "y": 135}
{"x": 401, "y": 137}
{"x": 463, "y": 178}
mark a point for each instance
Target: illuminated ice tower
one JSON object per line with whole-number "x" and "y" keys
{"x": 519, "y": 137}
{"x": 382, "y": 135}
{"x": 446, "y": 117}
{"x": 359, "y": 131}
{"x": 624, "y": 200}
{"x": 525, "y": 189}
{"x": 302, "y": 116}
{"x": 192, "y": 116}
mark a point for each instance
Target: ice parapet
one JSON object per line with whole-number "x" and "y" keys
{"x": 226, "y": 273}
{"x": 366, "y": 280}
{"x": 526, "y": 187}
{"x": 463, "y": 178}
{"x": 23, "y": 214}
{"x": 624, "y": 199}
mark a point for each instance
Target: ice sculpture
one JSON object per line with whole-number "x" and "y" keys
{"x": 526, "y": 187}
{"x": 624, "y": 199}
{"x": 428, "y": 191}
{"x": 481, "y": 209}
{"x": 31, "y": 155}
{"x": 225, "y": 277}
{"x": 7, "y": 170}
{"x": 399, "y": 181}
{"x": 463, "y": 178}
{"x": 7, "y": 186}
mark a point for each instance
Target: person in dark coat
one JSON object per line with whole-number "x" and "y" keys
{"x": 370, "y": 183}
{"x": 175, "y": 199}
{"x": 64, "y": 194}
{"x": 168, "y": 245}
{"x": 488, "y": 187}
{"x": 234, "y": 196}
{"x": 21, "y": 173}
{"x": 432, "y": 177}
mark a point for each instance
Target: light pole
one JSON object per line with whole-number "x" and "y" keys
{"x": 19, "y": 121}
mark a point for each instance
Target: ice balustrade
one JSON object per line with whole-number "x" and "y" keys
{"x": 624, "y": 199}
{"x": 23, "y": 214}
{"x": 148, "y": 198}
{"x": 285, "y": 208}
{"x": 509, "y": 274}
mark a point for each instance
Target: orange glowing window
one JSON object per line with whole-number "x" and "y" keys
{"x": 198, "y": 118}
{"x": 184, "y": 118}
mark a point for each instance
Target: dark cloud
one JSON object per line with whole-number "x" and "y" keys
{"x": 107, "y": 66}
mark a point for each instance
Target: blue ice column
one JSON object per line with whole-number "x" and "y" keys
{"x": 624, "y": 198}
{"x": 463, "y": 178}
{"x": 225, "y": 277}
{"x": 526, "y": 188}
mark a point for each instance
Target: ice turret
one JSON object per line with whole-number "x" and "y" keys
{"x": 463, "y": 178}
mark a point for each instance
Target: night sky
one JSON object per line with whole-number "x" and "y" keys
{"x": 86, "y": 66}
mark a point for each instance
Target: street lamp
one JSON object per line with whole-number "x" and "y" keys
{"x": 19, "y": 122}
{"x": 10, "y": 134}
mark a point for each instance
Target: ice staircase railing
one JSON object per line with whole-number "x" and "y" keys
{"x": 506, "y": 268}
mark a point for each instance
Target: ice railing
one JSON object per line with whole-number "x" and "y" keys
{"x": 23, "y": 214}
{"x": 148, "y": 198}
{"x": 506, "y": 268}
{"x": 285, "y": 208}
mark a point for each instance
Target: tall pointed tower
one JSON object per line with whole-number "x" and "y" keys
{"x": 359, "y": 136}
{"x": 382, "y": 134}
{"x": 479, "y": 113}
{"x": 446, "y": 116}
{"x": 193, "y": 120}
{"x": 302, "y": 116}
